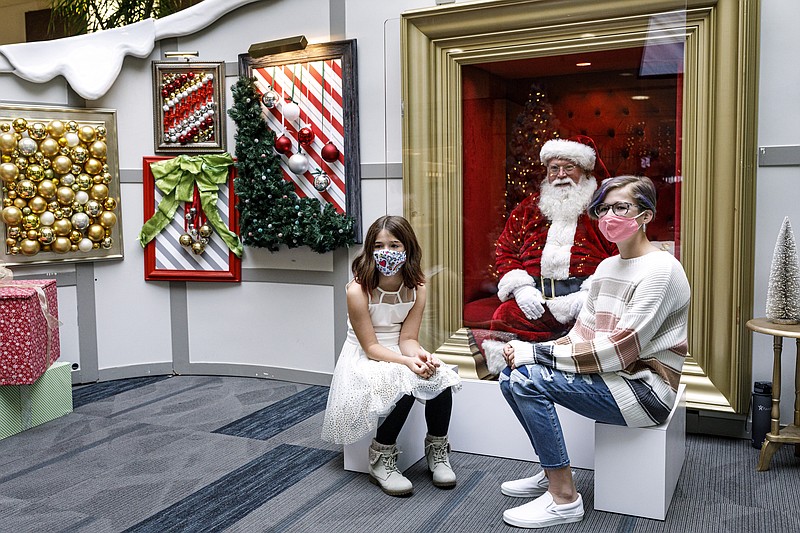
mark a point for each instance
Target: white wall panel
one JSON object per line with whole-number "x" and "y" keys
{"x": 68, "y": 332}
{"x": 133, "y": 316}
{"x": 268, "y": 324}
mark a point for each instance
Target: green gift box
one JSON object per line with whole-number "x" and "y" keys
{"x": 25, "y": 406}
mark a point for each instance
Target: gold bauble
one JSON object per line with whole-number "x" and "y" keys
{"x": 62, "y": 164}
{"x": 110, "y": 204}
{"x": 198, "y": 248}
{"x": 62, "y": 227}
{"x": 75, "y": 236}
{"x": 93, "y": 166}
{"x": 72, "y": 126}
{"x": 29, "y": 247}
{"x": 7, "y": 142}
{"x": 5, "y": 126}
{"x": 106, "y": 177}
{"x": 5, "y": 158}
{"x": 99, "y": 191}
{"x": 8, "y": 172}
{"x": 7, "y": 202}
{"x": 107, "y": 243}
{"x": 26, "y": 189}
{"x": 20, "y": 125}
{"x": 80, "y": 154}
{"x": 11, "y": 242}
{"x": 46, "y": 235}
{"x": 84, "y": 181}
{"x": 49, "y": 147}
{"x": 96, "y": 232}
{"x": 61, "y": 245}
{"x": 204, "y": 231}
{"x": 21, "y": 162}
{"x": 185, "y": 239}
{"x": 37, "y": 131}
{"x": 98, "y": 149}
{"x": 56, "y": 128}
{"x": 52, "y": 206}
{"x": 35, "y": 172}
{"x": 33, "y": 234}
{"x": 65, "y": 195}
{"x": 20, "y": 203}
{"x": 12, "y": 215}
{"x": 14, "y": 232}
{"x": 93, "y": 208}
{"x": 38, "y": 205}
{"x": 26, "y": 210}
{"x": 47, "y": 189}
{"x": 66, "y": 211}
{"x": 86, "y": 134}
{"x": 14, "y": 250}
{"x": 101, "y": 131}
{"x": 74, "y": 248}
{"x": 98, "y": 178}
{"x": 30, "y": 221}
{"x": 107, "y": 219}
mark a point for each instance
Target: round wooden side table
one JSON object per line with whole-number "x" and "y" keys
{"x": 791, "y": 433}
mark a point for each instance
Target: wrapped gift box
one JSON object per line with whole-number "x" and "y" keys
{"x": 25, "y": 406}
{"x": 29, "y": 343}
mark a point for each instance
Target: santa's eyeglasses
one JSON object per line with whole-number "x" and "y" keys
{"x": 555, "y": 170}
{"x": 619, "y": 208}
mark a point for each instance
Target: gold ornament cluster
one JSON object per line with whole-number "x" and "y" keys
{"x": 55, "y": 187}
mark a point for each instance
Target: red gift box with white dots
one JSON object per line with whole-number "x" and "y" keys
{"x": 24, "y": 331}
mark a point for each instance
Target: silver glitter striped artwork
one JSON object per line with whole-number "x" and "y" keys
{"x": 170, "y": 255}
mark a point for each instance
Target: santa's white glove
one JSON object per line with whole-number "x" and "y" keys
{"x": 530, "y": 301}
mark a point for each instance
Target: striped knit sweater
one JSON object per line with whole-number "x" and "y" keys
{"x": 632, "y": 331}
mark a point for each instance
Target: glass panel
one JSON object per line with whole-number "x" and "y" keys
{"x": 628, "y": 101}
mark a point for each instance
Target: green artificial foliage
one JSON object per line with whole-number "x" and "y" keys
{"x": 76, "y": 17}
{"x": 270, "y": 212}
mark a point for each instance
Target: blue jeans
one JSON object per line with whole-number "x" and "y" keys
{"x": 532, "y": 392}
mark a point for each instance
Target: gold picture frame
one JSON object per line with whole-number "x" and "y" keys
{"x": 60, "y": 170}
{"x": 718, "y": 156}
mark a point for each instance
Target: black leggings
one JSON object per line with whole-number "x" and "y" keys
{"x": 437, "y": 417}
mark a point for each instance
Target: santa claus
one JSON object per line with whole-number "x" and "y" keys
{"x": 548, "y": 251}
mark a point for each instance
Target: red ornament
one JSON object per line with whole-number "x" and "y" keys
{"x": 305, "y": 136}
{"x": 283, "y": 145}
{"x": 330, "y": 153}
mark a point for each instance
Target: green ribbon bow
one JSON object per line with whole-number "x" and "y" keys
{"x": 176, "y": 178}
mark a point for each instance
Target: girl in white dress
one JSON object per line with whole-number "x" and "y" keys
{"x": 382, "y": 368}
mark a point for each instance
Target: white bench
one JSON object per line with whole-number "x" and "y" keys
{"x": 637, "y": 469}
{"x": 483, "y": 423}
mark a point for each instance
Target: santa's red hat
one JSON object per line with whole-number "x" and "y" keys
{"x": 581, "y": 150}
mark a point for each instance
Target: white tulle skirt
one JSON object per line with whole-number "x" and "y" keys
{"x": 364, "y": 390}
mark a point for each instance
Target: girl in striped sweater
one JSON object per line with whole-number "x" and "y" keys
{"x": 621, "y": 362}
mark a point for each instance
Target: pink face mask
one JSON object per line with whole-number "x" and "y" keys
{"x": 617, "y": 228}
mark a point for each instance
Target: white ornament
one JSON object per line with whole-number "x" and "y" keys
{"x": 298, "y": 163}
{"x": 85, "y": 245}
{"x": 81, "y": 197}
{"x": 47, "y": 218}
{"x": 72, "y": 139}
{"x": 291, "y": 111}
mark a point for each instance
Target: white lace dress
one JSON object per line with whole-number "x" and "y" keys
{"x": 362, "y": 389}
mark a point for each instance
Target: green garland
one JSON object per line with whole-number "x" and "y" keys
{"x": 270, "y": 212}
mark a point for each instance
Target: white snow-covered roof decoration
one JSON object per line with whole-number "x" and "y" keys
{"x": 91, "y": 63}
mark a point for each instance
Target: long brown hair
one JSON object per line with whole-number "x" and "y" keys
{"x": 364, "y": 270}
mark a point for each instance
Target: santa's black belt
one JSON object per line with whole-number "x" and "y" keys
{"x": 551, "y": 288}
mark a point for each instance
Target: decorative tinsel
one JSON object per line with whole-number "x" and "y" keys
{"x": 270, "y": 212}
{"x": 783, "y": 293}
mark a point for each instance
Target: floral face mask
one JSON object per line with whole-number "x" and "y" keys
{"x": 388, "y": 262}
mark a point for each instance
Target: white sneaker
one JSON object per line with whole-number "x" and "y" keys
{"x": 528, "y": 487}
{"x": 544, "y": 512}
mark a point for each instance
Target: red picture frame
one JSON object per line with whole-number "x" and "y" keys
{"x": 164, "y": 257}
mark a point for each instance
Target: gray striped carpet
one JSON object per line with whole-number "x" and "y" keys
{"x": 206, "y": 454}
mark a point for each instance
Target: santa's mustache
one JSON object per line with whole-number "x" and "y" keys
{"x": 563, "y": 181}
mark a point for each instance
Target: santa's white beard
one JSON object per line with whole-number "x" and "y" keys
{"x": 566, "y": 202}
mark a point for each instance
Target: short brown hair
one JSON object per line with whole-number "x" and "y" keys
{"x": 642, "y": 189}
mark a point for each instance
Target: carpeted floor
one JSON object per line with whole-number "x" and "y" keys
{"x": 205, "y": 454}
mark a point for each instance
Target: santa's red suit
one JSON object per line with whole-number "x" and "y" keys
{"x": 533, "y": 250}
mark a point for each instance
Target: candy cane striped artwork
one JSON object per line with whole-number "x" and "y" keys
{"x": 316, "y": 87}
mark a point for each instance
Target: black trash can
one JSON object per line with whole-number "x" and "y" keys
{"x": 762, "y": 407}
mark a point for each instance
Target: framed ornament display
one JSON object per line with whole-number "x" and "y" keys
{"x": 199, "y": 241}
{"x": 188, "y": 107}
{"x": 309, "y": 99}
{"x": 59, "y": 171}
